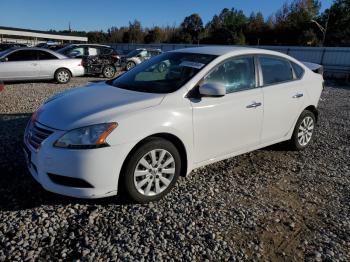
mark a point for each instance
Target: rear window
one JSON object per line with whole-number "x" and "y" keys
{"x": 275, "y": 70}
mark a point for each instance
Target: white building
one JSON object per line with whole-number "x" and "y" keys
{"x": 33, "y": 37}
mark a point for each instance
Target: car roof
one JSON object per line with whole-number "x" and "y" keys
{"x": 36, "y": 48}
{"x": 216, "y": 50}
{"x": 233, "y": 50}
{"x": 90, "y": 45}
{"x": 149, "y": 49}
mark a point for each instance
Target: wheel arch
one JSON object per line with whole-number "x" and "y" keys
{"x": 167, "y": 136}
{"x": 313, "y": 110}
{"x": 70, "y": 72}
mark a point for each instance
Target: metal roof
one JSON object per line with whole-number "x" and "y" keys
{"x": 40, "y": 34}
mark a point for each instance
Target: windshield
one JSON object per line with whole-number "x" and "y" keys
{"x": 64, "y": 50}
{"x": 164, "y": 73}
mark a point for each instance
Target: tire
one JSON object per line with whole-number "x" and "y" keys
{"x": 62, "y": 76}
{"x": 162, "y": 67}
{"x": 303, "y": 131}
{"x": 109, "y": 71}
{"x": 145, "y": 180}
{"x": 130, "y": 65}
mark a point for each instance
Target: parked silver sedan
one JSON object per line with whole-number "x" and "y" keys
{"x": 37, "y": 64}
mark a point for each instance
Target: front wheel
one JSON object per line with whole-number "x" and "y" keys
{"x": 109, "y": 71}
{"x": 130, "y": 65}
{"x": 303, "y": 131}
{"x": 152, "y": 170}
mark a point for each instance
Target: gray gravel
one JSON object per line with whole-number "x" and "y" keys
{"x": 271, "y": 204}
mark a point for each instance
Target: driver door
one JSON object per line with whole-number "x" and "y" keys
{"x": 20, "y": 65}
{"x": 232, "y": 123}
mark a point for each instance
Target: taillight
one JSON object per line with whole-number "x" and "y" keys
{"x": 115, "y": 55}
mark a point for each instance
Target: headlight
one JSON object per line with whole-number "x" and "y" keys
{"x": 86, "y": 137}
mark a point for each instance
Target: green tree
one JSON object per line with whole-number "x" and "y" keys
{"x": 192, "y": 27}
{"x": 154, "y": 35}
{"x": 135, "y": 34}
{"x": 227, "y": 27}
{"x": 337, "y": 21}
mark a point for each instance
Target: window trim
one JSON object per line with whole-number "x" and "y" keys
{"x": 261, "y": 77}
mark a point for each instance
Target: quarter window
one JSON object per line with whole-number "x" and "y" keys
{"x": 275, "y": 70}
{"x": 298, "y": 70}
{"x": 235, "y": 74}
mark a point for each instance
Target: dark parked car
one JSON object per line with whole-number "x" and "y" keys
{"x": 97, "y": 59}
{"x": 5, "y": 46}
{"x": 51, "y": 46}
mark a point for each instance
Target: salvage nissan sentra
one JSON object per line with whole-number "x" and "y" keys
{"x": 178, "y": 111}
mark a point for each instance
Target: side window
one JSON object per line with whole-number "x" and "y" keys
{"x": 235, "y": 74}
{"x": 144, "y": 53}
{"x": 42, "y": 55}
{"x": 78, "y": 50}
{"x": 275, "y": 70}
{"x": 298, "y": 70}
{"x": 22, "y": 55}
{"x": 93, "y": 51}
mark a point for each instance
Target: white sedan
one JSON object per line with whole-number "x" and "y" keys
{"x": 142, "y": 130}
{"x": 37, "y": 64}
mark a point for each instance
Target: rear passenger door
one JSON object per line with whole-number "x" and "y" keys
{"x": 19, "y": 65}
{"x": 283, "y": 97}
{"x": 47, "y": 63}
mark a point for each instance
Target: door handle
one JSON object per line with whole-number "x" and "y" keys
{"x": 298, "y": 95}
{"x": 254, "y": 105}
{"x": 34, "y": 64}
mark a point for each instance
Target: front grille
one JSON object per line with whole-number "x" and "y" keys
{"x": 36, "y": 134}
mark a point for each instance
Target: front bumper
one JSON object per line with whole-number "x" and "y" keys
{"x": 98, "y": 167}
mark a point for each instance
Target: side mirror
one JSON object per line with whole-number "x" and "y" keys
{"x": 5, "y": 59}
{"x": 212, "y": 89}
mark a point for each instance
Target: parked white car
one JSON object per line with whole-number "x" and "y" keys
{"x": 142, "y": 130}
{"x": 38, "y": 64}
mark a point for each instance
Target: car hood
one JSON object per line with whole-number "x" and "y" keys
{"x": 92, "y": 104}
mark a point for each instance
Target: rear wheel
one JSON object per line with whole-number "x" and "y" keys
{"x": 109, "y": 71}
{"x": 152, "y": 170}
{"x": 303, "y": 131}
{"x": 62, "y": 76}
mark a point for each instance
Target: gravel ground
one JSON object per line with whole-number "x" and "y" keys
{"x": 271, "y": 204}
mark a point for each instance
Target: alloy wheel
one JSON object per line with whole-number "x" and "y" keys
{"x": 63, "y": 76}
{"x": 109, "y": 72}
{"x": 305, "y": 131}
{"x": 154, "y": 172}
